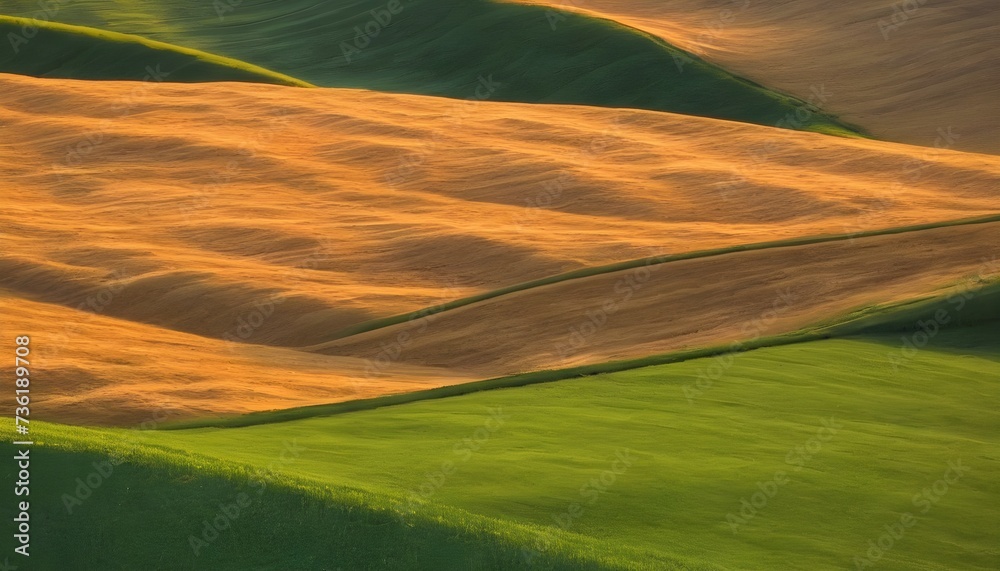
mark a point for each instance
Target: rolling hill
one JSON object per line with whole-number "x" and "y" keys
{"x": 686, "y": 304}
{"x": 614, "y": 471}
{"x": 46, "y": 49}
{"x": 479, "y": 285}
{"x": 175, "y": 245}
{"x": 446, "y": 48}
{"x": 913, "y": 72}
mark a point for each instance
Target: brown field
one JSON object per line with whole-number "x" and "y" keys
{"x": 686, "y": 304}
{"x": 931, "y": 68}
{"x": 91, "y": 369}
{"x": 155, "y": 222}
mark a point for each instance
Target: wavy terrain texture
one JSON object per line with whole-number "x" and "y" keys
{"x": 922, "y": 73}
{"x": 100, "y": 370}
{"x": 44, "y": 49}
{"x": 658, "y": 480}
{"x": 519, "y": 285}
{"x": 449, "y": 48}
{"x": 688, "y": 303}
{"x": 121, "y": 223}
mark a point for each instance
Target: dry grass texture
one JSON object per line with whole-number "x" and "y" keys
{"x": 155, "y": 221}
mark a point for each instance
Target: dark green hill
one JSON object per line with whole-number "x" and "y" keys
{"x": 452, "y": 48}
{"x": 43, "y": 49}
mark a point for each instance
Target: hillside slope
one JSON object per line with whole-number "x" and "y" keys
{"x": 923, "y": 73}
{"x": 449, "y": 48}
{"x": 44, "y": 49}
{"x": 689, "y": 303}
{"x": 270, "y": 221}
{"x": 656, "y": 478}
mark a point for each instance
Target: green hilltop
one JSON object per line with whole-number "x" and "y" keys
{"x": 44, "y": 49}
{"x": 476, "y": 49}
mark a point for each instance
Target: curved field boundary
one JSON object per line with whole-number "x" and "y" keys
{"x": 981, "y": 304}
{"x": 371, "y": 325}
{"x": 49, "y": 49}
{"x": 450, "y": 48}
{"x": 427, "y": 529}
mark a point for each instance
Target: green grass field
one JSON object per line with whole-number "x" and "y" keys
{"x": 437, "y": 484}
{"x": 143, "y": 514}
{"x": 451, "y": 48}
{"x": 971, "y": 302}
{"x": 867, "y": 441}
{"x": 63, "y": 51}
